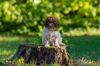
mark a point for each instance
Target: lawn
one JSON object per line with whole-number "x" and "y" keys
{"x": 83, "y": 49}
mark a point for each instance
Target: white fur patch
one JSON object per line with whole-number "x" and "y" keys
{"x": 51, "y": 37}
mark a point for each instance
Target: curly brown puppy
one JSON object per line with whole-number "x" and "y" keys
{"x": 51, "y": 35}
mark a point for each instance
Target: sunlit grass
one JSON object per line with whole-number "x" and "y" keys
{"x": 84, "y": 62}
{"x": 82, "y": 32}
{"x": 10, "y": 38}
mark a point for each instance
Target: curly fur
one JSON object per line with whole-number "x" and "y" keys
{"x": 51, "y": 38}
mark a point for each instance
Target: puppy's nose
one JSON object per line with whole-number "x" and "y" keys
{"x": 51, "y": 25}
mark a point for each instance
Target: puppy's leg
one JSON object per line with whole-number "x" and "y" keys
{"x": 46, "y": 44}
{"x": 56, "y": 43}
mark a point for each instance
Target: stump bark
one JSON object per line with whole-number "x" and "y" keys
{"x": 43, "y": 55}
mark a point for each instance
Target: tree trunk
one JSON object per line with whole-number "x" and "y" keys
{"x": 43, "y": 55}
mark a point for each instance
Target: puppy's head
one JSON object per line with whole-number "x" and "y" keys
{"x": 51, "y": 23}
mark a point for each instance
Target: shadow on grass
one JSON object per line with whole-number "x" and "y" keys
{"x": 1, "y": 64}
{"x": 84, "y": 47}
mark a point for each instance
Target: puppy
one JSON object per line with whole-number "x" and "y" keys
{"x": 51, "y": 35}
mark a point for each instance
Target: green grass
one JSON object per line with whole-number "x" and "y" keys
{"x": 81, "y": 47}
{"x": 87, "y": 47}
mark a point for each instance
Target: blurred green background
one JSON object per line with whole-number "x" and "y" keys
{"x": 21, "y": 20}
{"x": 25, "y": 17}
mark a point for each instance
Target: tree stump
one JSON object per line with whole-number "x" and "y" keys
{"x": 43, "y": 55}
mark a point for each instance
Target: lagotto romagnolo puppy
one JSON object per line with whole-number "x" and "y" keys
{"x": 51, "y": 35}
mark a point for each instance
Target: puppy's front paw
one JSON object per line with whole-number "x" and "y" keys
{"x": 56, "y": 45}
{"x": 62, "y": 44}
{"x": 46, "y": 45}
